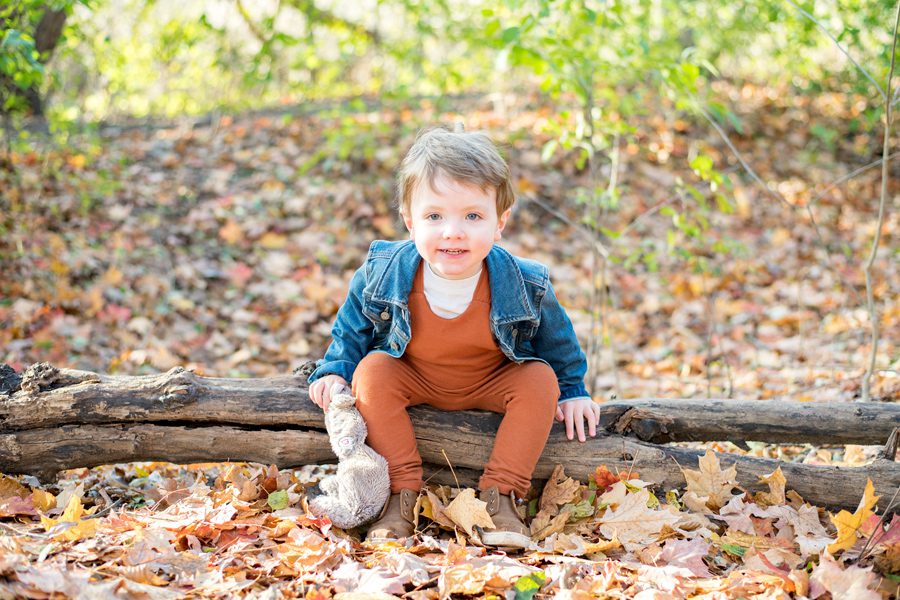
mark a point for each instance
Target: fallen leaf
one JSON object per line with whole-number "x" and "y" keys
{"x": 467, "y": 511}
{"x": 711, "y": 484}
{"x": 462, "y": 579}
{"x": 851, "y": 583}
{"x": 73, "y": 526}
{"x": 558, "y": 490}
{"x": 848, "y": 525}
{"x": 633, "y": 522}
{"x": 231, "y": 232}
{"x": 775, "y": 496}
{"x": 688, "y": 554}
{"x": 9, "y": 487}
{"x": 278, "y": 500}
{"x": 434, "y": 509}
{"x": 526, "y": 587}
{"x": 543, "y": 525}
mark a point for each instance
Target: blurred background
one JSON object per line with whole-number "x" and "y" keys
{"x": 193, "y": 183}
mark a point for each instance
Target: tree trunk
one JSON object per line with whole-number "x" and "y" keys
{"x": 57, "y": 418}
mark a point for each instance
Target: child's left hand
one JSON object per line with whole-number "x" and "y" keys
{"x": 575, "y": 413}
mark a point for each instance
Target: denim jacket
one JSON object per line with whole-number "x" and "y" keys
{"x": 526, "y": 319}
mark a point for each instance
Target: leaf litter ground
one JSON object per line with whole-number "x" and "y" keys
{"x": 208, "y": 247}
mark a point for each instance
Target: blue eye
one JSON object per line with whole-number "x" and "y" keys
{"x": 432, "y": 217}
{"x": 473, "y": 216}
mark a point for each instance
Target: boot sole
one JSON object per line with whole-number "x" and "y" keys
{"x": 506, "y": 539}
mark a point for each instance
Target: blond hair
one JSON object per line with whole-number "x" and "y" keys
{"x": 466, "y": 157}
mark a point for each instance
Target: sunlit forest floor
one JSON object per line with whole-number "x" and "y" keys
{"x": 227, "y": 245}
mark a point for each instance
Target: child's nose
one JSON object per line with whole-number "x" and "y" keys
{"x": 453, "y": 229}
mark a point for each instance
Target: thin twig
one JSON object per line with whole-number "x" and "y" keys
{"x": 587, "y": 235}
{"x": 451, "y": 468}
{"x": 870, "y": 301}
{"x": 884, "y": 95}
{"x": 849, "y": 176}
{"x": 881, "y": 522}
{"x": 772, "y": 193}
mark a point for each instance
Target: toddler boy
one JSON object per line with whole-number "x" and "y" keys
{"x": 451, "y": 320}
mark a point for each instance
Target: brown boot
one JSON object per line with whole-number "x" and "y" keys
{"x": 396, "y": 518}
{"x": 509, "y": 529}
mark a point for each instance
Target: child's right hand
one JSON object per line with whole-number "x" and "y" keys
{"x": 322, "y": 390}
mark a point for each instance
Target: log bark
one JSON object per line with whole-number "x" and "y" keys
{"x": 58, "y": 419}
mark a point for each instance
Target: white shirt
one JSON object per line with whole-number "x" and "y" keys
{"x": 449, "y": 298}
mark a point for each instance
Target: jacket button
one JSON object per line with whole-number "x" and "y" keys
{"x": 394, "y": 346}
{"x": 515, "y": 332}
{"x": 385, "y": 316}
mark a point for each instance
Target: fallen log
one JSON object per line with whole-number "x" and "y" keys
{"x": 56, "y": 419}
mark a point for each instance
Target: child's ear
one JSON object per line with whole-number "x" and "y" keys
{"x": 501, "y": 223}
{"x": 407, "y": 220}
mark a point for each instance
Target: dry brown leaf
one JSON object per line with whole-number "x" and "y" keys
{"x": 434, "y": 509}
{"x": 634, "y": 522}
{"x": 467, "y": 511}
{"x": 559, "y": 490}
{"x": 711, "y": 484}
{"x": 544, "y": 525}
{"x": 775, "y": 496}
{"x": 463, "y": 579}
{"x": 10, "y": 487}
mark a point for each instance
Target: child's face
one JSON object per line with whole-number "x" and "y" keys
{"x": 454, "y": 226}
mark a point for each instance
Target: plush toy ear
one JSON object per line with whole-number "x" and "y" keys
{"x": 342, "y": 401}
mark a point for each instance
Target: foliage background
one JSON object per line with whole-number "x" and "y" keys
{"x": 238, "y": 157}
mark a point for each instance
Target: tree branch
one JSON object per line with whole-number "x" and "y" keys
{"x": 870, "y": 300}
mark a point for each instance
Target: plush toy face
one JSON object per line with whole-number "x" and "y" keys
{"x": 346, "y": 427}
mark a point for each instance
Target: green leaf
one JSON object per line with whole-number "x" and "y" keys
{"x": 278, "y": 500}
{"x": 734, "y": 549}
{"x": 510, "y": 34}
{"x": 549, "y": 150}
{"x": 724, "y": 204}
{"x": 526, "y": 587}
{"x": 578, "y": 511}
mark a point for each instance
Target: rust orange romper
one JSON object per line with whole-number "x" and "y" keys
{"x": 455, "y": 364}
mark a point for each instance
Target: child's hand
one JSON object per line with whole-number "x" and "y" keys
{"x": 575, "y": 413}
{"x": 321, "y": 390}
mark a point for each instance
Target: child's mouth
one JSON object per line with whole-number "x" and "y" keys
{"x": 453, "y": 252}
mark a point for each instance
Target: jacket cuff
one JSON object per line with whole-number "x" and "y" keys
{"x": 576, "y": 398}
{"x": 571, "y": 392}
{"x": 344, "y": 368}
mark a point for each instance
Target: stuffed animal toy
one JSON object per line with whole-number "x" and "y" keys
{"x": 358, "y": 491}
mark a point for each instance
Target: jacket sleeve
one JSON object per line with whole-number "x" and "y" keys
{"x": 351, "y": 335}
{"x": 556, "y": 342}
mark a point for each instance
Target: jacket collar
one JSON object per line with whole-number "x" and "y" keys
{"x": 509, "y": 302}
